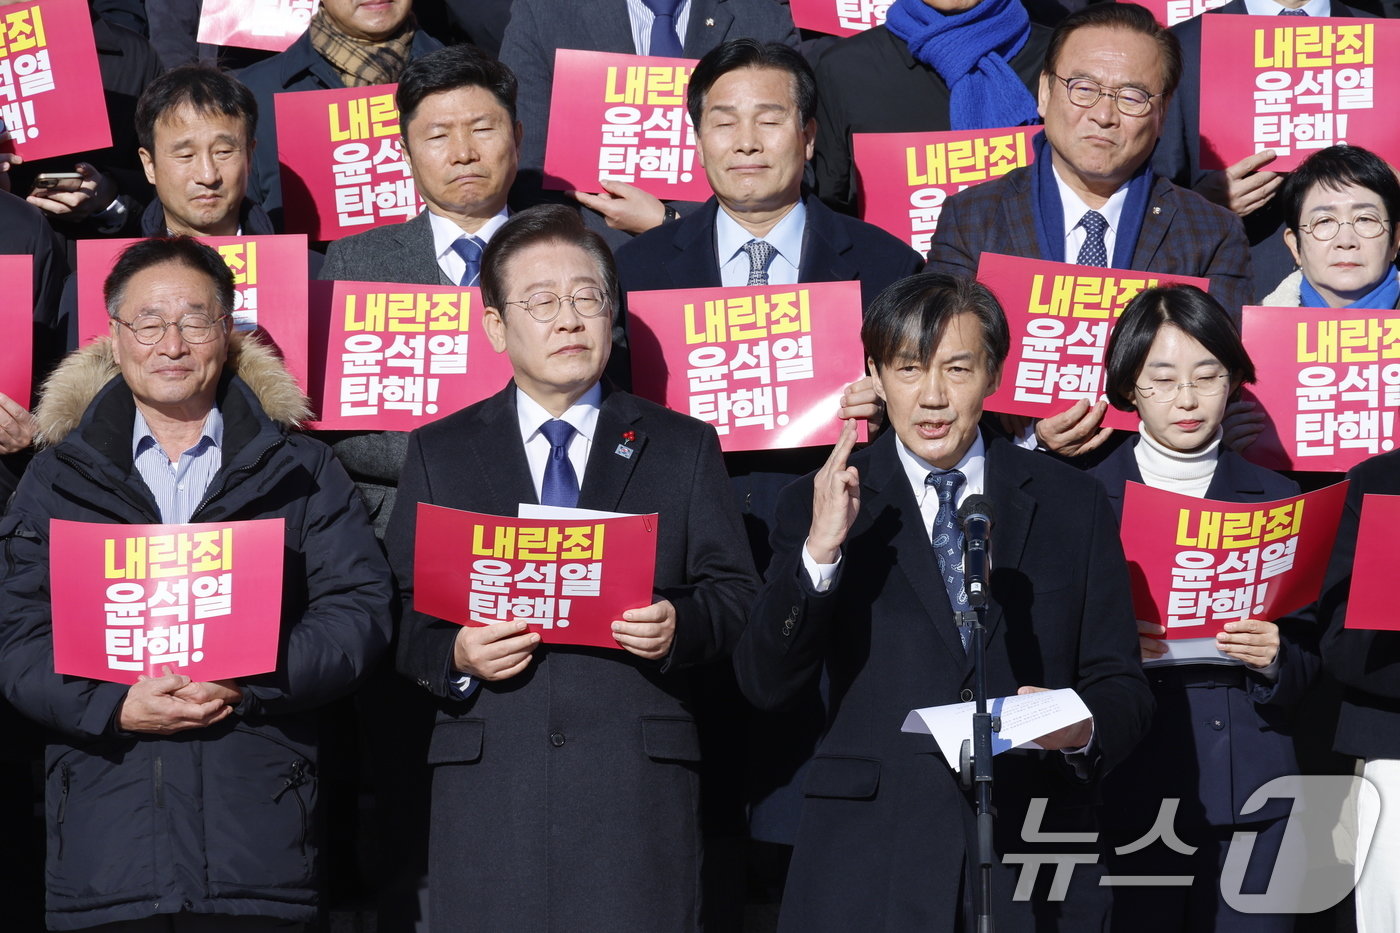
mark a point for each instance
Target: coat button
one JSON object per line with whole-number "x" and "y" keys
{"x": 556, "y": 739}
{"x": 1217, "y": 725}
{"x": 965, "y": 696}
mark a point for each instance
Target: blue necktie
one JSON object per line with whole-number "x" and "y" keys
{"x": 560, "y": 486}
{"x": 1292, "y": 12}
{"x": 664, "y": 41}
{"x": 469, "y": 248}
{"x": 947, "y": 542}
{"x": 761, "y": 254}
{"x": 1093, "y": 252}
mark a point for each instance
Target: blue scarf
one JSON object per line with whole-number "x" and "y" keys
{"x": 970, "y": 51}
{"x": 1050, "y": 211}
{"x": 1381, "y": 298}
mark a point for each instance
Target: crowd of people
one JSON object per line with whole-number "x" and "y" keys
{"x": 737, "y": 755}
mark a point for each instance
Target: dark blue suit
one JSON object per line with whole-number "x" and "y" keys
{"x": 1219, "y": 734}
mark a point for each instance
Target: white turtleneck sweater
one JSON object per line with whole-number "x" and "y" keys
{"x": 1186, "y": 473}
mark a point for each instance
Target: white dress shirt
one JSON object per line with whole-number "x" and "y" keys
{"x": 785, "y": 238}
{"x": 446, "y": 232}
{"x": 583, "y": 415}
{"x": 1074, "y": 208}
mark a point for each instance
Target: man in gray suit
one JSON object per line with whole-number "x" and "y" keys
{"x": 462, "y": 142}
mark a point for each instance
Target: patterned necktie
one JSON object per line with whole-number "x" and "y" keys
{"x": 1292, "y": 12}
{"x": 469, "y": 248}
{"x": 760, "y": 255}
{"x": 947, "y": 542}
{"x": 1093, "y": 252}
{"x": 560, "y": 486}
{"x": 664, "y": 40}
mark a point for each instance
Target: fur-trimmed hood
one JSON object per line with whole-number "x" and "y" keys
{"x": 71, "y": 388}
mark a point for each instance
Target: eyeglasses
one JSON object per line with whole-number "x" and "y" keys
{"x": 544, "y": 306}
{"x": 149, "y": 329}
{"x": 1166, "y": 390}
{"x": 1326, "y": 228}
{"x": 1131, "y": 101}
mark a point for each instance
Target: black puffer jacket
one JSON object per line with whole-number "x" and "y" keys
{"x": 214, "y": 820}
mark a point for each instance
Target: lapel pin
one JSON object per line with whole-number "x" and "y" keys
{"x": 710, "y": 22}
{"x": 1156, "y": 210}
{"x": 624, "y": 450}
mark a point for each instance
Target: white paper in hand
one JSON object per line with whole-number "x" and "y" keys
{"x": 1023, "y": 720}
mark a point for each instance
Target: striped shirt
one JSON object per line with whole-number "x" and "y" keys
{"x": 642, "y": 18}
{"x": 178, "y": 487}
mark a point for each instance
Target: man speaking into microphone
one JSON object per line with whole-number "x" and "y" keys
{"x": 867, "y": 588}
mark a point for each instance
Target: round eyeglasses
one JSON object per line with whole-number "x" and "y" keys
{"x": 544, "y": 306}
{"x": 1131, "y": 101}
{"x": 148, "y": 329}
{"x": 1164, "y": 391}
{"x": 1327, "y": 228}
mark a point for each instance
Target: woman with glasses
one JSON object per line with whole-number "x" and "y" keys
{"x": 1223, "y": 720}
{"x": 1339, "y": 207}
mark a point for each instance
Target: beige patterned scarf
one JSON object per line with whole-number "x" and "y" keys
{"x": 359, "y": 61}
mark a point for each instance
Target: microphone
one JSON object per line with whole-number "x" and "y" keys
{"x": 976, "y": 518}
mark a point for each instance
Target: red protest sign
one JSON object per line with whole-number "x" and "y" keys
{"x": 50, "y": 87}
{"x": 1371, "y": 599}
{"x": 1328, "y": 382}
{"x": 269, "y": 279}
{"x": 205, "y": 599}
{"x": 622, "y": 117}
{"x": 399, "y": 356}
{"x": 764, "y": 365}
{"x": 17, "y": 323}
{"x": 342, "y": 165}
{"x": 839, "y": 17}
{"x": 569, "y": 578}
{"x": 1197, "y": 564}
{"x": 1060, "y": 317}
{"x": 1296, "y": 88}
{"x": 1171, "y": 12}
{"x": 270, "y": 25}
{"x": 904, "y": 178}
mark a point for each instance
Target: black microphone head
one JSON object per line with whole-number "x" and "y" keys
{"x": 975, "y": 505}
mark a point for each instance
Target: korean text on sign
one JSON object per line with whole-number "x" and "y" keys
{"x": 372, "y": 178}
{"x": 533, "y": 573}
{"x": 398, "y": 347}
{"x": 1309, "y": 78}
{"x": 646, "y": 129}
{"x": 25, "y": 70}
{"x": 769, "y": 341}
{"x": 840, "y": 17}
{"x": 242, "y": 261}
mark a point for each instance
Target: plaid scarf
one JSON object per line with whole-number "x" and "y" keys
{"x": 358, "y": 61}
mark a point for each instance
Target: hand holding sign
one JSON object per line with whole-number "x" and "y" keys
{"x": 1242, "y": 188}
{"x": 494, "y": 652}
{"x": 17, "y": 426}
{"x": 649, "y": 631}
{"x": 1253, "y": 641}
{"x": 625, "y": 207}
{"x": 835, "y": 500}
{"x": 153, "y": 705}
{"x": 1074, "y": 431}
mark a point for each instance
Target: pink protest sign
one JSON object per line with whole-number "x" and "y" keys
{"x": 50, "y": 87}
{"x": 906, "y": 177}
{"x": 16, "y": 359}
{"x": 205, "y": 599}
{"x": 1371, "y": 600}
{"x": 569, "y": 578}
{"x": 399, "y": 356}
{"x": 269, "y": 280}
{"x": 1197, "y": 564}
{"x": 622, "y": 117}
{"x": 343, "y": 168}
{"x": 1329, "y": 383}
{"x": 839, "y": 17}
{"x": 270, "y": 25}
{"x": 765, "y": 365}
{"x": 1060, "y": 317}
{"x": 1171, "y": 12}
{"x": 1295, "y": 89}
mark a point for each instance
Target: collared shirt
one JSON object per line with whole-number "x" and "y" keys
{"x": 1074, "y": 208}
{"x": 785, "y": 238}
{"x": 973, "y": 466}
{"x": 446, "y": 232}
{"x": 642, "y": 18}
{"x": 178, "y": 487}
{"x": 583, "y": 415}
{"x": 1271, "y": 8}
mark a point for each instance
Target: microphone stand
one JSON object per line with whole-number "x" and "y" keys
{"x": 976, "y": 758}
